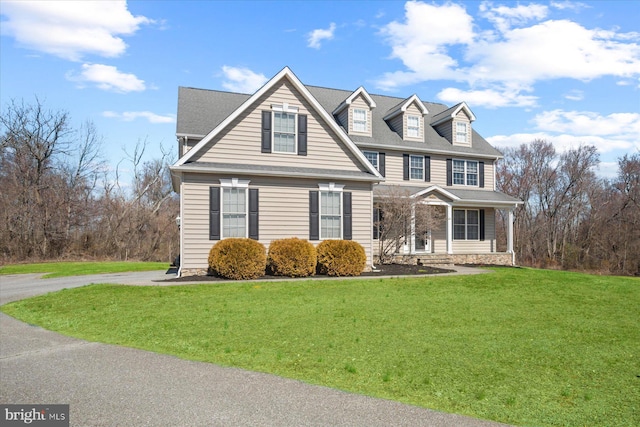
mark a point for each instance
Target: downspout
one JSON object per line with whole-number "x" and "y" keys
{"x": 179, "y": 274}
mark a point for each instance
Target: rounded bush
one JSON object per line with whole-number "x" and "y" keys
{"x": 341, "y": 258}
{"x": 238, "y": 258}
{"x": 292, "y": 257}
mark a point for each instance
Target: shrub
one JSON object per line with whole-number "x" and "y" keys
{"x": 292, "y": 257}
{"x": 238, "y": 258}
{"x": 341, "y": 258}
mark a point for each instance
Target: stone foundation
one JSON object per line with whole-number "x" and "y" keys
{"x": 497, "y": 258}
{"x": 194, "y": 272}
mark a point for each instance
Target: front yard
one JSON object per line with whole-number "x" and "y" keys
{"x": 521, "y": 346}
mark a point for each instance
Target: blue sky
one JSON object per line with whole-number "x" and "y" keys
{"x": 567, "y": 72}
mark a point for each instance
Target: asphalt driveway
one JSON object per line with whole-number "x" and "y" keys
{"x": 107, "y": 385}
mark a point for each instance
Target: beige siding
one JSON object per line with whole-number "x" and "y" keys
{"x": 360, "y": 103}
{"x": 277, "y": 219}
{"x": 240, "y": 142}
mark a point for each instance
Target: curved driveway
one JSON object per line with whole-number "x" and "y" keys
{"x": 109, "y": 385}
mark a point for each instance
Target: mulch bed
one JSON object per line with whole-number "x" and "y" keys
{"x": 381, "y": 270}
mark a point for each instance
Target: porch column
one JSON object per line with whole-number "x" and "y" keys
{"x": 510, "y": 233}
{"x": 449, "y": 229}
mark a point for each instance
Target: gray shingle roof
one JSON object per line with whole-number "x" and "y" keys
{"x": 275, "y": 170}
{"x": 465, "y": 195}
{"x": 201, "y": 110}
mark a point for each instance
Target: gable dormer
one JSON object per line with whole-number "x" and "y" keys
{"x": 454, "y": 124}
{"x": 354, "y": 113}
{"x": 407, "y": 119}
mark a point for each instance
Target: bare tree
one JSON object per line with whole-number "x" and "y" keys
{"x": 397, "y": 216}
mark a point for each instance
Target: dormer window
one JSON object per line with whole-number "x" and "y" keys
{"x": 413, "y": 126}
{"x": 359, "y": 120}
{"x": 461, "y": 133}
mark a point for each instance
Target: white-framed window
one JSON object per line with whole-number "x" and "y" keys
{"x": 234, "y": 206}
{"x": 413, "y": 126}
{"x": 466, "y": 224}
{"x": 461, "y": 133}
{"x": 359, "y": 120}
{"x": 330, "y": 211}
{"x": 373, "y": 157}
{"x": 284, "y": 132}
{"x": 416, "y": 167}
{"x": 465, "y": 172}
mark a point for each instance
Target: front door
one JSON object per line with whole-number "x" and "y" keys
{"x": 423, "y": 242}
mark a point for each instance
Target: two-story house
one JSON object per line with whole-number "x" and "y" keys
{"x": 302, "y": 161}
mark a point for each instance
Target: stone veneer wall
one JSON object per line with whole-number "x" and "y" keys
{"x": 501, "y": 258}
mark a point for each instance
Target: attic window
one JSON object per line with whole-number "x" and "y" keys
{"x": 413, "y": 126}
{"x": 461, "y": 132}
{"x": 359, "y": 120}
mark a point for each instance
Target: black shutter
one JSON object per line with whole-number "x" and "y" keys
{"x": 427, "y": 168}
{"x": 253, "y": 214}
{"x": 481, "y": 174}
{"x": 347, "y": 217}
{"x": 481, "y": 224}
{"x": 302, "y": 134}
{"x": 376, "y": 223}
{"x": 214, "y": 213}
{"x": 266, "y": 131}
{"x": 449, "y": 172}
{"x": 405, "y": 167}
{"x": 314, "y": 216}
{"x": 382, "y": 164}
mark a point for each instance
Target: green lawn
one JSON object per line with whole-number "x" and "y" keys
{"x": 65, "y": 269}
{"x": 520, "y": 346}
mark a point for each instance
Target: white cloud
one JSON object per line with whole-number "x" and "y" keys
{"x": 574, "y": 95}
{"x": 442, "y": 42}
{"x": 504, "y": 17}
{"x": 589, "y": 123}
{"x": 242, "y": 79}
{"x": 107, "y": 77}
{"x": 421, "y": 41}
{"x": 71, "y": 29}
{"x": 488, "y": 98}
{"x": 316, "y": 36}
{"x": 129, "y": 116}
{"x": 612, "y": 135}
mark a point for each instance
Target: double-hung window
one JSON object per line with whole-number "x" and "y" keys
{"x": 234, "y": 212}
{"x": 461, "y": 133}
{"x": 416, "y": 167}
{"x": 465, "y": 172}
{"x": 413, "y": 126}
{"x": 330, "y": 215}
{"x": 284, "y": 132}
{"x": 372, "y": 156}
{"x": 466, "y": 224}
{"x": 359, "y": 120}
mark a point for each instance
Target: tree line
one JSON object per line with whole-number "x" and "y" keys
{"x": 571, "y": 218}
{"x": 59, "y": 199}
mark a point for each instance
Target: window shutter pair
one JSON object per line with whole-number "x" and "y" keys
{"x": 214, "y": 213}
{"x": 314, "y": 215}
{"x": 266, "y": 133}
{"x": 405, "y": 167}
